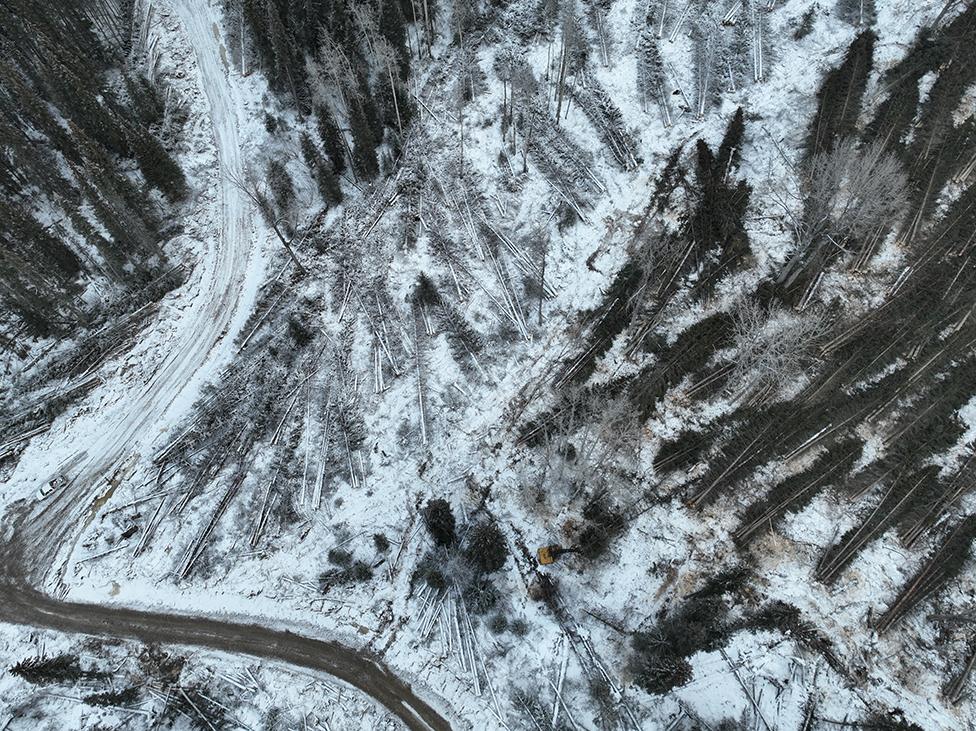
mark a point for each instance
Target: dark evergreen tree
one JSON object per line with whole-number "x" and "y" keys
{"x": 840, "y": 96}
{"x": 282, "y": 187}
{"x": 44, "y": 670}
{"x": 124, "y": 697}
{"x": 730, "y": 151}
{"x": 331, "y": 138}
{"x": 364, "y": 159}
{"x": 439, "y": 520}
{"x": 394, "y": 30}
{"x": 144, "y": 98}
{"x": 370, "y": 112}
{"x": 18, "y": 286}
{"x": 255, "y": 15}
{"x": 157, "y": 165}
{"x": 485, "y": 547}
{"x": 29, "y": 236}
{"x": 397, "y": 112}
{"x": 286, "y": 64}
{"x": 322, "y": 172}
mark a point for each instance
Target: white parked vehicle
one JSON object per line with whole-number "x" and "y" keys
{"x": 54, "y": 484}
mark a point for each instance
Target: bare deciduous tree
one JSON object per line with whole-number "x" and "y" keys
{"x": 259, "y": 198}
{"x": 774, "y": 348}
{"x": 331, "y": 73}
{"x": 849, "y": 195}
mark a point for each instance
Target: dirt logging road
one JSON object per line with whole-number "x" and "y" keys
{"x": 21, "y": 604}
{"x": 198, "y": 334}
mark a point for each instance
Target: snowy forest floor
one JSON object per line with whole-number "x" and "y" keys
{"x": 414, "y": 415}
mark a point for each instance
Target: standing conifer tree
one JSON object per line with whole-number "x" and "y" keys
{"x": 285, "y": 66}
{"x": 840, "y": 96}
{"x": 322, "y": 171}
{"x": 394, "y": 30}
{"x": 331, "y": 140}
{"x": 364, "y": 158}
{"x": 159, "y": 168}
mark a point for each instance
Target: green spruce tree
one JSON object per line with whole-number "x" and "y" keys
{"x": 364, "y": 158}
{"x": 331, "y": 138}
{"x": 322, "y": 172}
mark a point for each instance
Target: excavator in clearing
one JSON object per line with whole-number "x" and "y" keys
{"x": 548, "y": 554}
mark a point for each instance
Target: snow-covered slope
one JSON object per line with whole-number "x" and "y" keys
{"x": 383, "y": 402}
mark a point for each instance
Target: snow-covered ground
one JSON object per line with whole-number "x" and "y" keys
{"x": 666, "y": 552}
{"x": 112, "y": 435}
{"x": 248, "y": 693}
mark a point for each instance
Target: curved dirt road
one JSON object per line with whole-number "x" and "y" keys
{"x": 122, "y": 429}
{"x": 20, "y": 604}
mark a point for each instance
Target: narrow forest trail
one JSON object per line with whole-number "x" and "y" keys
{"x": 117, "y": 432}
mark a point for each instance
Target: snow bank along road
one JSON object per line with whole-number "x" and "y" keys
{"x": 123, "y": 428}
